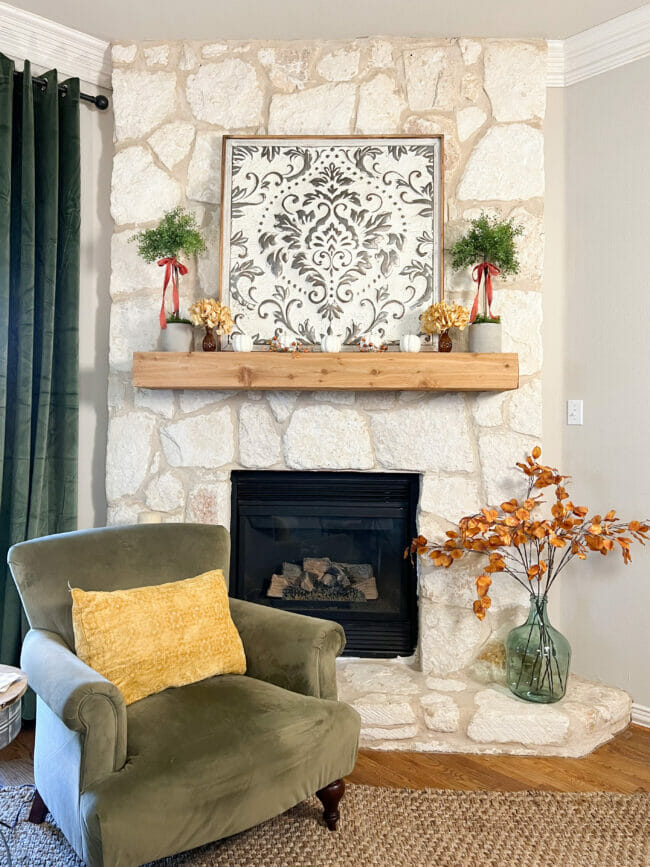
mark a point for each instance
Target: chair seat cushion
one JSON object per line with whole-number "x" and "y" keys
{"x": 220, "y": 755}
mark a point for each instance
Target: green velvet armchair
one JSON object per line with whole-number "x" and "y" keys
{"x": 189, "y": 765}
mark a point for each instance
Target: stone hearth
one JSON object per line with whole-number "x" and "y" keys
{"x": 405, "y": 709}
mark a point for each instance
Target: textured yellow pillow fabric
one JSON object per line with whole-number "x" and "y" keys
{"x": 149, "y": 638}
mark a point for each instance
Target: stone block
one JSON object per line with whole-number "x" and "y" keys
{"x": 362, "y": 676}
{"x": 521, "y": 315}
{"x": 226, "y": 94}
{"x": 324, "y": 437}
{"x": 158, "y": 400}
{"x": 380, "y": 106}
{"x": 451, "y": 497}
{"x": 469, "y": 120}
{"x": 204, "y": 170}
{"x": 141, "y": 192}
{"x": 325, "y": 110}
{"x": 141, "y": 101}
{"x": 506, "y": 164}
{"x": 380, "y": 709}
{"x": 515, "y": 80}
{"x": 287, "y": 68}
{"x": 441, "y": 713}
{"x": 487, "y": 409}
{"x": 282, "y": 403}
{"x": 525, "y": 409}
{"x": 432, "y": 78}
{"x": 123, "y": 53}
{"x": 165, "y": 493}
{"x": 394, "y": 733}
{"x": 134, "y": 326}
{"x": 450, "y": 637}
{"x": 129, "y": 272}
{"x": 209, "y": 504}
{"x": 501, "y": 718}
{"x": 471, "y": 50}
{"x": 192, "y": 400}
{"x": 156, "y": 55}
{"x": 433, "y": 435}
{"x": 259, "y": 441}
{"x": 172, "y": 142}
{"x": 128, "y": 453}
{"x": 200, "y": 441}
{"x": 499, "y": 452}
{"x": 341, "y": 65}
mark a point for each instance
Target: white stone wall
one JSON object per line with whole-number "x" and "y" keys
{"x": 173, "y": 451}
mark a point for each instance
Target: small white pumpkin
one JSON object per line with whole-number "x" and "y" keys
{"x": 242, "y": 343}
{"x": 330, "y": 343}
{"x": 409, "y": 343}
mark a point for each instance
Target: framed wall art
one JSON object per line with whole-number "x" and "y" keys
{"x": 331, "y": 235}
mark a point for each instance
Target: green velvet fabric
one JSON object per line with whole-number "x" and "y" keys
{"x": 39, "y": 289}
{"x": 111, "y": 558}
{"x": 305, "y": 664}
{"x": 218, "y": 756}
{"x": 188, "y": 765}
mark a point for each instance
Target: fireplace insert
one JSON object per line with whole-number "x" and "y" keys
{"x": 330, "y": 545}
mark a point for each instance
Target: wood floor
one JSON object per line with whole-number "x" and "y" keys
{"x": 622, "y": 765}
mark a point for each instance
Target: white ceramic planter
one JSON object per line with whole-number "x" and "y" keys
{"x": 241, "y": 343}
{"x": 177, "y": 337}
{"x": 485, "y": 337}
{"x": 409, "y": 343}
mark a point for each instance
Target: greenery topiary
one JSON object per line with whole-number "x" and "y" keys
{"x": 177, "y": 320}
{"x": 488, "y": 240}
{"x": 177, "y": 232}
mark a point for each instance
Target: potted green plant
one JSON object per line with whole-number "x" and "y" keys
{"x": 488, "y": 247}
{"x": 176, "y": 233}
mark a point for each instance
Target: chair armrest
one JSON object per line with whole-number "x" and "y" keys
{"x": 80, "y": 697}
{"x": 290, "y": 650}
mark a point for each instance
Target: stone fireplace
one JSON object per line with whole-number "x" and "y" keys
{"x": 177, "y": 452}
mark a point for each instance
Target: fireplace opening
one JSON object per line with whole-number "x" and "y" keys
{"x": 330, "y": 545}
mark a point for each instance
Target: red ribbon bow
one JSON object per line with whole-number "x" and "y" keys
{"x": 172, "y": 269}
{"x": 490, "y": 271}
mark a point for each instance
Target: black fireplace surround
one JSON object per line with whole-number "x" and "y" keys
{"x": 330, "y": 545}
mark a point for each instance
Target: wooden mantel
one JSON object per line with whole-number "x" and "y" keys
{"x": 342, "y": 371}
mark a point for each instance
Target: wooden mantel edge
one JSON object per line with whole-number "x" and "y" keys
{"x": 343, "y": 371}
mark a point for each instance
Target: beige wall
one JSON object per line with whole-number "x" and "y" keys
{"x": 94, "y": 308}
{"x": 597, "y": 348}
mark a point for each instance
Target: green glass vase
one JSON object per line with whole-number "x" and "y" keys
{"x": 537, "y": 657}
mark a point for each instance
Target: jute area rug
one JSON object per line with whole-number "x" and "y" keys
{"x": 399, "y": 828}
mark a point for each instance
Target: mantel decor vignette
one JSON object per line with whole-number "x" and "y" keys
{"x": 171, "y": 452}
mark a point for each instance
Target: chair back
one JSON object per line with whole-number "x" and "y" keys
{"x": 110, "y": 558}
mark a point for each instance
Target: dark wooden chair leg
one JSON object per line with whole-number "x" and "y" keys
{"x": 329, "y": 798}
{"x": 38, "y": 811}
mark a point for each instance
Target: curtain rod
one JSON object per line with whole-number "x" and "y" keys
{"x": 100, "y": 101}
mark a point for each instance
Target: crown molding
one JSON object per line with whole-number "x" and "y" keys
{"x": 25, "y": 36}
{"x": 600, "y": 49}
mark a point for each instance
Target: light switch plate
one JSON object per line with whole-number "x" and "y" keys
{"x": 574, "y": 412}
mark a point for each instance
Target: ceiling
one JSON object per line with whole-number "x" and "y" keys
{"x": 326, "y": 19}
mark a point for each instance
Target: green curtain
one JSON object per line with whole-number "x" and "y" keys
{"x": 39, "y": 304}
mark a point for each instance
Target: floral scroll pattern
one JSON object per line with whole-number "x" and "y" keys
{"x": 331, "y": 235}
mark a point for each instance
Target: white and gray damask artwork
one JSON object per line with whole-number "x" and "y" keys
{"x": 334, "y": 235}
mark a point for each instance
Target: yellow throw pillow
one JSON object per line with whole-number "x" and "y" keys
{"x": 149, "y": 638}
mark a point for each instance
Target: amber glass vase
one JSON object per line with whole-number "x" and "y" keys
{"x": 444, "y": 341}
{"x": 209, "y": 341}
